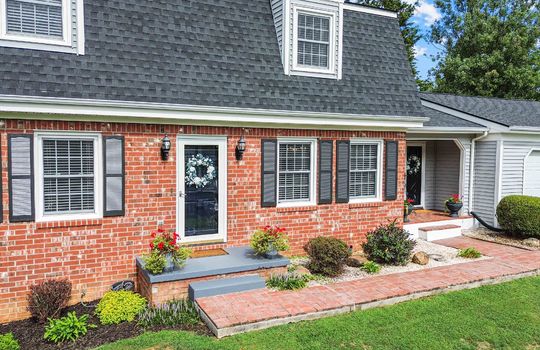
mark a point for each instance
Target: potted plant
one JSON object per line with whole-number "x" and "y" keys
{"x": 165, "y": 253}
{"x": 408, "y": 209}
{"x": 269, "y": 240}
{"x": 454, "y": 204}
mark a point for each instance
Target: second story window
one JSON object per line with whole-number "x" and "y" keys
{"x": 313, "y": 40}
{"x": 35, "y": 17}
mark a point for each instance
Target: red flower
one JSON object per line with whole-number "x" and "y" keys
{"x": 160, "y": 230}
{"x": 151, "y": 245}
{"x": 161, "y": 245}
{"x": 153, "y": 235}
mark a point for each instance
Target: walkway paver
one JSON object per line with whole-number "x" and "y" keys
{"x": 239, "y": 312}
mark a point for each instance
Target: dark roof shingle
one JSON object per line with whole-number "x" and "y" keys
{"x": 441, "y": 119}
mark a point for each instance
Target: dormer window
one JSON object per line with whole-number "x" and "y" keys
{"x": 52, "y": 25}
{"x": 313, "y": 41}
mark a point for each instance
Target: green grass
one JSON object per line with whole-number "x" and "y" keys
{"x": 504, "y": 316}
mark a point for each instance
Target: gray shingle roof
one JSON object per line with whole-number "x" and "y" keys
{"x": 441, "y": 119}
{"x": 505, "y": 112}
{"x": 214, "y": 53}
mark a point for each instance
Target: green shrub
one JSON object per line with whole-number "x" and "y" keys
{"x": 520, "y": 215}
{"x": 469, "y": 253}
{"x": 48, "y": 298}
{"x": 172, "y": 313}
{"x": 269, "y": 238}
{"x": 116, "y": 307}
{"x": 389, "y": 244}
{"x": 154, "y": 263}
{"x": 371, "y": 267}
{"x": 69, "y": 327}
{"x": 287, "y": 281}
{"x": 327, "y": 255}
{"x": 8, "y": 342}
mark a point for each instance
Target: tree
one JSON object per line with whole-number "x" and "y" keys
{"x": 490, "y": 48}
{"x": 409, "y": 30}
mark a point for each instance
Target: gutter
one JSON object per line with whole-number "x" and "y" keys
{"x": 133, "y": 111}
{"x": 447, "y": 130}
{"x": 471, "y": 168}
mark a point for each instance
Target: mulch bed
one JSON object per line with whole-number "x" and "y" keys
{"x": 30, "y": 333}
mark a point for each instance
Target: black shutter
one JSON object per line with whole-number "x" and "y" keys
{"x": 326, "y": 148}
{"x": 21, "y": 177}
{"x": 114, "y": 177}
{"x": 391, "y": 170}
{"x": 268, "y": 173}
{"x": 343, "y": 149}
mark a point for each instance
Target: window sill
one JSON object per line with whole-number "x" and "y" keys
{"x": 296, "y": 209}
{"x": 69, "y": 223}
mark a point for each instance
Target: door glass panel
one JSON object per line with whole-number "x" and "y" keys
{"x": 414, "y": 174}
{"x": 201, "y": 190}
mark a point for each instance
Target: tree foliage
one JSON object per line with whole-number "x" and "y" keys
{"x": 490, "y": 48}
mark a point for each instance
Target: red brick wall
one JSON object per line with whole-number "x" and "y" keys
{"x": 93, "y": 254}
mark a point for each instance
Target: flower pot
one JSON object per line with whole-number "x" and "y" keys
{"x": 454, "y": 208}
{"x": 272, "y": 253}
{"x": 169, "y": 265}
{"x": 408, "y": 212}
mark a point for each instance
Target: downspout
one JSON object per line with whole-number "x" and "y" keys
{"x": 471, "y": 168}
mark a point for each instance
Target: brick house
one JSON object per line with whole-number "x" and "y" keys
{"x": 320, "y": 91}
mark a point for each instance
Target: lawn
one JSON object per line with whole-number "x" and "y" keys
{"x": 504, "y": 316}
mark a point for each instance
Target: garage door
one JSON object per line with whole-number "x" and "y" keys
{"x": 531, "y": 185}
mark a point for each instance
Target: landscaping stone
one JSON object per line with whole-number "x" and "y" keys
{"x": 532, "y": 242}
{"x": 420, "y": 258}
{"x": 356, "y": 260}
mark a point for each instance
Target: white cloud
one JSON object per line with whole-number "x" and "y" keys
{"x": 419, "y": 51}
{"x": 427, "y": 11}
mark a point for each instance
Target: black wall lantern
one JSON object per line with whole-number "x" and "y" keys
{"x": 240, "y": 148}
{"x": 165, "y": 147}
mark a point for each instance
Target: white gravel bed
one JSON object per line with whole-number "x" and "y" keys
{"x": 439, "y": 256}
{"x": 490, "y": 236}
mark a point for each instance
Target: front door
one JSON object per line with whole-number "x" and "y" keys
{"x": 202, "y": 188}
{"x": 414, "y": 174}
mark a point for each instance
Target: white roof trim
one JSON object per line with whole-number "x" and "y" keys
{"x": 448, "y": 130}
{"x": 370, "y": 10}
{"x": 128, "y": 111}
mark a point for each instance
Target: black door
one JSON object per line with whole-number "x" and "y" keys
{"x": 414, "y": 174}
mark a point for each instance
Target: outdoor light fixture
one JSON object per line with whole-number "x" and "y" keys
{"x": 240, "y": 148}
{"x": 165, "y": 147}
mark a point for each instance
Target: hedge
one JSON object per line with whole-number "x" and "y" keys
{"x": 520, "y": 215}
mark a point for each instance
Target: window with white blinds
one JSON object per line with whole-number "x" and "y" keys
{"x": 295, "y": 171}
{"x": 313, "y": 40}
{"x": 364, "y": 170}
{"x": 35, "y": 17}
{"x": 68, "y": 176}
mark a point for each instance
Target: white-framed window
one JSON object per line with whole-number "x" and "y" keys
{"x": 365, "y": 173}
{"x": 314, "y": 42}
{"x": 68, "y": 176}
{"x": 50, "y": 25}
{"x": 296, "y": 172}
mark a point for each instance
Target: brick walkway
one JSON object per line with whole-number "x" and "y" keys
{"x": 240, "y": 312}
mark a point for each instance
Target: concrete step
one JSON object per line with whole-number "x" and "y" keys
{"x": 433, "y": 233}
{"x": 225, "y": 286}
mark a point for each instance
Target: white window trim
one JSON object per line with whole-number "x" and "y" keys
{"x": 38, "y": 176}
{"x": 312, "y": 174}
{"x": 378, "y": 178}
{"x": 322, "y": 72}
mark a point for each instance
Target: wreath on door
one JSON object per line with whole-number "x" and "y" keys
{"x": 200, "y": 164}
{"x": 413, "y": 165}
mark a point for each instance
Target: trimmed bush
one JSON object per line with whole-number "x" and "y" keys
{"x": 8, "y": 342}
{"x": 48, "y": 298}
{"x": 117, "y": 307}
{"x": 389, "y": 244}
{"x": 70, "y": 328}
{"x": 520, "y": 215}
{"x": 172, "y": 313}
{"x": 327, "y": 255}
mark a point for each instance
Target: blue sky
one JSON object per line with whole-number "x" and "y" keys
{"x": 426, "y": 14}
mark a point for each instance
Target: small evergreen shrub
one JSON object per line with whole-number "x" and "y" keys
{"x": 172, "y": 313}
{"x": 520, "y": 215}
{"x": 48, "y": 298}
{"x": 469, "y": 253}
{"x": 66, "y": 328}
{"x": 8, "y": 342}
{"x": 389, "y": 244}
{"x": 371, "y": 267}
{"x": 154, "y": 263}
{"x": 327, "y": 255}
{"x": 117, "y": 307}
{"x": 287, "y": 281}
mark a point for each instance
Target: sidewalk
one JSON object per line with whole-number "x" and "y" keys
{"x": 241, "y": 312}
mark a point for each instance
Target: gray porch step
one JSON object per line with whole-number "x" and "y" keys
{"x": 225, "y": 286}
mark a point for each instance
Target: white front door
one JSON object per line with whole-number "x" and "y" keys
{"x": 202, "y": 188}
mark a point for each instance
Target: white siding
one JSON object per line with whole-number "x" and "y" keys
{"x": 277, "y": 12}
{"x": 514, "y": 153}
{"x": 485, "y": 167}
{"x": 465, "y": 176}
{"x": 531, "y": 177}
